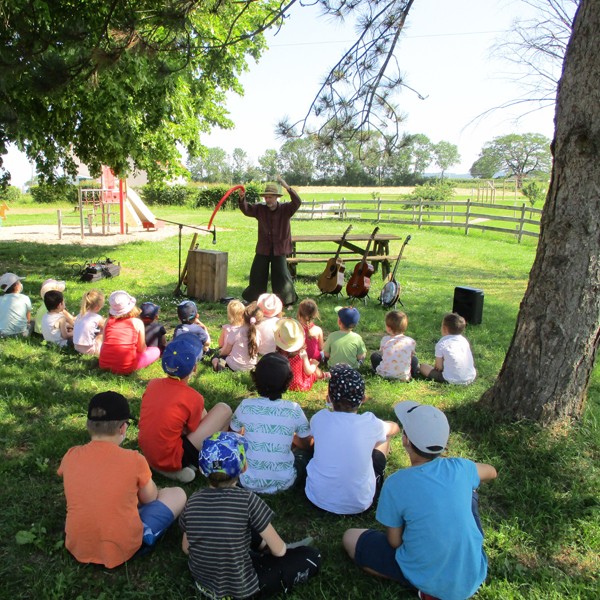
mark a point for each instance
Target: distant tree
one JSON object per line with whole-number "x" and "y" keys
{"x": 534, "y": 191}
{"x": 485, "y": 167}
{"x": 445, "y": 155}
{"x": 422, "y": 152}
{"x": 239, "y": 165}
{"x": 268, "y": 164}
{"x": 212, "y": 167}
{"x": 298, "y": 159}
{"x": 515, "y": 155}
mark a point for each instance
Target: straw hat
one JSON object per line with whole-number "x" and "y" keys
{"x": 272, "y": 189}
{"x": 52, "y": 284}
{"x": 289, "y": 335}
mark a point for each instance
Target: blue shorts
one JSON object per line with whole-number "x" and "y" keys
{"x": 374, "y": 552}
{"x": 156, "y": 518}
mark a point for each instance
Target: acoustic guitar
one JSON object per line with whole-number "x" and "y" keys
{"x": 331, "y": 280}
{"x": 360, "y": 282}
{"x": 390, "y": 293}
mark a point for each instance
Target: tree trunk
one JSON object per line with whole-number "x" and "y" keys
{"x": 547, "y": 369}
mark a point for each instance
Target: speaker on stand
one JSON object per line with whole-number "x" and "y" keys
{"x": 468, "y": 303}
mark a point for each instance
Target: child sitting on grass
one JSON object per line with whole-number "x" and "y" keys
{"x": 235, "y": 318}
{"x": 114, "y": 509}
{"x": 453, "y": 357}
{"x": 345, "y": 474}
{"x": 87, "y": 330}
{"x": 156, "y": 334}
{"x": 396, "y": 357}
{"x": 124, "y": 347}
{"x": 49, "y": 284}
{"x": 290, "y": 341}
{"x": 345, "y": 346}
{"x": 271, "y": 308}
{"x": 15, "y": 307}
{"x": 173, "y": 420}
{"x": 56, "y": 327}
{"x": 187, "y": 311}
{"x": 240, "y": 352}
{"x": 308, "y": 311}
{"x": 433, "y": 541}
{"x": 233, "y": 549}
{"x": 273, "y": 427}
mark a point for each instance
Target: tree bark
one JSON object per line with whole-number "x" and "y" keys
{"x": 547, "y": 369}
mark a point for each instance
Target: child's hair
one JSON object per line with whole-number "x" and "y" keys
{"x": 252, "y": 317}
{"x": 13, "y": 288}
{"x": 272, "y": 375}
{"x": 235, "y": 312}
{"x": 220, "y": 480}
{"x": 103, "y": 427}
{"x": 454, "y": 323}
{"x": 426, "y": 455}
{"x": 308, "y": 310}
{"x": 52, "y": 299}
{"x": 397, "y": 321}
{"x": 91, "y": 299}
{"x": 134, "y": 312}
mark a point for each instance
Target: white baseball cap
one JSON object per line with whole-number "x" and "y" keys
{"x": 425, "y": 426}
{"x": 8, "y": 279}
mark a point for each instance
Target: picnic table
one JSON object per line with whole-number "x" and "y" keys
{"x": 353, "y": 249}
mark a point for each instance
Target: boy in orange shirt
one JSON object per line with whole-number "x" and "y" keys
{"x": 104, "y": 484}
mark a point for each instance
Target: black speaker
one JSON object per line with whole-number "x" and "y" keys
{"x": 468, "y": 303}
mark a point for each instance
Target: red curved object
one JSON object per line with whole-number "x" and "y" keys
{"x": 220, "y": 202}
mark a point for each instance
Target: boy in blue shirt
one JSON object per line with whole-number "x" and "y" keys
{"x": 433, "y": 541}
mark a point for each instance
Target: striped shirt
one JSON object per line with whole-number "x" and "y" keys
{"x": 217, "y": 522}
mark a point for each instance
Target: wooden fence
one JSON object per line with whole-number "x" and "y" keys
{"x": 460, "y": 214}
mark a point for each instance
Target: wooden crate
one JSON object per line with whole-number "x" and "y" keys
{"x": 207, "y": 275}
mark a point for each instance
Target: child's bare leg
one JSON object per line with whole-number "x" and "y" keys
{"x": 350, "y": 539}
{"x": 216, "y": 419}
{"x": 425, "y": 369}
{"x": 174, "y": 498}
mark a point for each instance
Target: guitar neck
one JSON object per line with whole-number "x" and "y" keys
{"x": 399, "y": 257}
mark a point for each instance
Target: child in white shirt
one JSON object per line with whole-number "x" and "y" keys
{"x": 87, "y": 330}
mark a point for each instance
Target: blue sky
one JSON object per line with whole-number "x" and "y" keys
{"x": 444, "y": 54}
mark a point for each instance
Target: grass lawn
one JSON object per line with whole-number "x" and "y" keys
{"x": 540, "y": 516}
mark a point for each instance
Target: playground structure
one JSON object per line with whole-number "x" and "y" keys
{"x": 112, "y": 205}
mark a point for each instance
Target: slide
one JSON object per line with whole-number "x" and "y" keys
{"x": 137, "y": 213}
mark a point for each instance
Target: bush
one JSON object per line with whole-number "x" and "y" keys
{"x": 59, "y": 191}
{"x": 434, "y": 192}
{"x": 10, "y": 194}
{"x": 209, "y": 197}
{"x": 167, "y": 195}
{"x": 534, "y": 191}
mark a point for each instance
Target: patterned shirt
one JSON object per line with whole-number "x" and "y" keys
{"x": 396, "y": 352}
{"x": 217, "y": 522}
{"x": 269, "y": 427}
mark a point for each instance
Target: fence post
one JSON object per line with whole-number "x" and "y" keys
{"x": 378, "y": 209}
{"x": 467, "y": 216}
{"x": 312, "y": 214}
{"x": 343, "y": 209}
{"x": 521, "y": 224}
{"x": 420, "y": 212}
{"x": 59, "y": 217}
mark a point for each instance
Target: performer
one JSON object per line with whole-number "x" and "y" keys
{"x": 274, "y": 243}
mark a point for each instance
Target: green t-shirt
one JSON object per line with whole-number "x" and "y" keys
{"x": 344, "y": 347}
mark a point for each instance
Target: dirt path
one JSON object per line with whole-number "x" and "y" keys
{"x": 48, "y": 234}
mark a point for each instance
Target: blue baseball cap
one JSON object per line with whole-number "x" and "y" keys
{"x": 187, "y": 311}
{"x": 348, "y": 315}
{"x": 223, "y": 452}
{"x": 181, "y": 355}
{"x": 149, "y": 310}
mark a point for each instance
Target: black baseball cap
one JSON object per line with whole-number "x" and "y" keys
{"x": 109, "y": 406}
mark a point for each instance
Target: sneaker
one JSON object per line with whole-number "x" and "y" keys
{"x": 424, "y": 596}
{"x": 186, "y": 474}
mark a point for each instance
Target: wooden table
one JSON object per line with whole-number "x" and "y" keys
{"x": 353, "y": 249}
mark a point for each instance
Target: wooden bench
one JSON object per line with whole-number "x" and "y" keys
{"x": 385, "y": 261}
